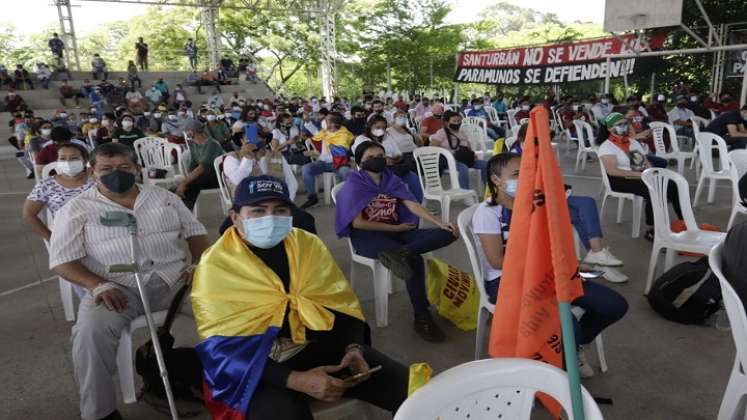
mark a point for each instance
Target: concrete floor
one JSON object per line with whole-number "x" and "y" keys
{"x": 658, "y": 369}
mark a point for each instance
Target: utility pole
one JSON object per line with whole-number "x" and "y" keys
{"x": 209, "y": 19}
{"x": 67, "y": 33}
{"x": 327, "y": 71}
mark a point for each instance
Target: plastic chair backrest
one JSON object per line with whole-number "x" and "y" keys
{"x": 658, "y": 182}
{"x": 698, "y": 123}
{"x": 428, "y": 161}
{"x": 492, "y": 114}
{"x": 500, "y": 388}
{"x": 509, "y": 142}
{"x": 705, "y": 142}
{"x": 657, "y": 130}
{"x": 47, "y": 170}
{"x": 737, "y": 169}
{"x": 515, "y": 130}
{"x": 150, "y": 152}
{"x": 478, "y": 121}
{"x": 585, "y": 134}
{"x": 464, "y": 221}
{"x": 225, "y": 194}
{"x": 713, "y": 114}
{"x": 605, "y": 177}
{"x": 511, "y": 114}
{"x": 733, "y": 304}
{"x": 476, "y": 136}
{"x": 336, "y": 189}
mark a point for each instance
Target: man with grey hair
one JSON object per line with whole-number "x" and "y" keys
{"x": 81, "y": 247}
{"x": 202, "y": 151}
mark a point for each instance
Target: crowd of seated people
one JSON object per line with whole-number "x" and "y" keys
{"x": 271, "y": 146}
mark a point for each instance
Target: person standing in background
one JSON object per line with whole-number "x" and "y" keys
{"x": 190, "y": 50}
{"x": 141, "y": 54}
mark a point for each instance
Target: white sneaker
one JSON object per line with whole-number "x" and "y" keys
{"x": 584, "y": 368}
{"x": 613, "y": 275}
{"x": 603, "y": 257}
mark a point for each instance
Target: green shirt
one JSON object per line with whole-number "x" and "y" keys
{"x": 204, "y": 154}
{"x": 218, "y": 131}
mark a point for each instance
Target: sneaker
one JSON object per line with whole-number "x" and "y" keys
{"x": 311, "y": 202}
{"x": 427, "y": 329}
{"x": 396, "y": 262}
{"x": 603, "y": 257}
{"x": 613, "y": 275}
{"x": 584, "y": 368}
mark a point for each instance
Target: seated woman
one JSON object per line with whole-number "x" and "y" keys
{"x": 451, "y": 138}
{"x": 624, "y": 161}
{"x": 491, "y": 224}
{"x": 71, "y": 179}
{"x": 264, "y": 354}
{"x": 406, "y": 140}
{"x": 376, "y": 132}
{"x": 286, "y": 139}
{"x": 585, "y": 219}
{"x": 380, "y": 215}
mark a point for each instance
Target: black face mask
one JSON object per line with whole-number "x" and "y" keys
{"x": 455, "y": 127}
{"x": 375, "y": 164}
{"x": 118, "y": 181}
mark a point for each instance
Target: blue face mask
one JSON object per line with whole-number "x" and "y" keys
{"x": 512, "y": 185}
{"x": 268, "y": 231}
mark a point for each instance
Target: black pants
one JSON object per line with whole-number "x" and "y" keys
{"x": 386, "y": 388}
{"x": 637, "y": 187}
{"x": 206, "y": 181}
{"x": 734, "y": 142}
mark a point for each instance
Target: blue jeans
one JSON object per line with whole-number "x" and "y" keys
{"x": 369, "y": 243}
{"x": 492, "y": 133}
{"x": 585, "y": 218}
{"x": 656, "y": 161}
{"x": 464, "y": 172}
{"x": 413, "y": 184}
{"x": 602, "y": 307}
{"x": 312, "y": 169}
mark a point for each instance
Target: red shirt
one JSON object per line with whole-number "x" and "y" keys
{"x": 430, "y": 125}
{"x": 401, "y": 105}
{"x": 47, "y": 155}
{"x": 657, "y": 113}
{"x": 382, "y": 209}
{"x": 521, "y": 115}
{"x": 729, "y": 106}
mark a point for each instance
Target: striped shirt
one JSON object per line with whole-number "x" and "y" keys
{"x": 163, "y": 221}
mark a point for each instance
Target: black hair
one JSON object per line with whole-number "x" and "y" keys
{"x": 377, "y": 101}
{"x": 356, "y": 108}
{"x": 83, "y": 151}
{"x": 111, "y": 150}
{"x": 494, "y": 167}
{"x": 361, "y": 149}
{"x": 371, "y": 121}
{"x": 336, "y": 118}
{"x": 323, "y": 111}
{"x": 449, "y": 114}
{"x": 522, "y": 133}
{"x": 61, "y": 135}
{"x": 281, "y": 118}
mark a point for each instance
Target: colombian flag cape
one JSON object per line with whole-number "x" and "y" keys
{"x": 239, "y": 305}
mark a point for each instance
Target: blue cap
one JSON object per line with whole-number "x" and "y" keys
{"x": 261, "y": 188}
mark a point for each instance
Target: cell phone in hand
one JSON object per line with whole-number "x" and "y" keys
{"x": 362, "y": 374}
{"x": 591, "y": 275}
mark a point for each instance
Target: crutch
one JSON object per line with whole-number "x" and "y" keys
{"x": 124, "y": 219}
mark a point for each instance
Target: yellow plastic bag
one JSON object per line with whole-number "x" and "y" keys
{"x": 420, "y": 374}
{"x": 499, "y": 145}
{"x": 453, "y": 293}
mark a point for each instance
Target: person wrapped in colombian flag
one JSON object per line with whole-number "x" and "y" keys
{"x": 278, "y": 323}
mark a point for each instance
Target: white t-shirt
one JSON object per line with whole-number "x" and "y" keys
{"x": 623, "y": 159}
{"x": 236, "y": 170}
{"x": 487, "y": 220}
{"x": 404, "y": 141}
{"x": 390, "y": 147}
{"x": 281, "y": 137}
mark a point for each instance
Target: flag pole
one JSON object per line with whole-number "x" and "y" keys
{"x": 571, "y": 359}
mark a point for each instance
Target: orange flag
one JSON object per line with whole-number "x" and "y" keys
{"x": 540, "y": 266}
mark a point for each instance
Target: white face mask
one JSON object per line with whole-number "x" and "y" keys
{"x": 604, "y": 101}
{"x": 525, "y": 107}
{"x": 173, "y": 117}
{"x": 126, "y": 124}
{"x": 146, "y": 114}
{"x": 211, "y": 117}
{"x": 575, "y": 107}
{"x": 157, "y": 114}
{"x": 69, "y": 168}
{"x": 661, "y": 98}
{"x": 93, "y": 120}
{"x": 46, "y": 132}
{"x": 227, "y": 115}
{"x": 693, "y": 99}
{"x": 105, "y": 122}
{"x": 378, "y": 132}
{"x": 400, "y": 121}
{"x": 62, "y": 115}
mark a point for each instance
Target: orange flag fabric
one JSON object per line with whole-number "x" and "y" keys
{"x": 540, "y": 266}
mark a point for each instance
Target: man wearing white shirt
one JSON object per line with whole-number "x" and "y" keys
{"x": 81, "y": 247}
{"x": 602, "y": 108}
{"x": 680, "y": 115}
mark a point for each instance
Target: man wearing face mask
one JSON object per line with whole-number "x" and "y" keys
{"x": 602, "y": 108}
{"x": 695, "y": 104}
{"x": 173, "y": 128}
{"x": 127, "y": 133}
{"x": 523, "y": 111}
{"x": 357, "y": 124}
{"x": 44, "y": 138}
{"x": 282, "y": 354}
{"x": 203, "y": 151}
{"x": 432, "y": 123}
{"x": 680, "y": 117}
{"x": 478, "y": 110}
{"x": 81, "y": 247}
{"x": 48, "y": 152}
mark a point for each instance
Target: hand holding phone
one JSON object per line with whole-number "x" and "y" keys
{"x": 360, "y": 375}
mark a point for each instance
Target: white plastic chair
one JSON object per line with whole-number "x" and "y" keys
{"x": 738, "y": 168}
{"x": 382, "y": 277}
{"x": 621, "y": 197}
{"x": 705, "y": 142}
{"x": 693, "y": 239}
{"x": 226, "y": 201}
{"x": 732, "y": 404}
{"x": 430, "y": 179}
{"x": 584, "y": 134}
{"x": 698, "y": 123}
{"x": 124, "y": 354}
{"x": 511, "y": 116}
{"x": 328, "y": 178}
{"x": 565, "y": 133}
{"x": 158, "y": 153}
{"x": 464, "y": 221}
{"x": 657, "y": 130}
{"x": 502, "y": 388}
{"x": 493, "y": 116}
{"x": 477, "y": 138}
{"x": 66, "y": 288}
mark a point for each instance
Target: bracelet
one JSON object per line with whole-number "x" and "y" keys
{"x": 101, "y": 288}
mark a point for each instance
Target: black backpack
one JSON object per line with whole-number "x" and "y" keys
{"x": 687, "y": 293}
